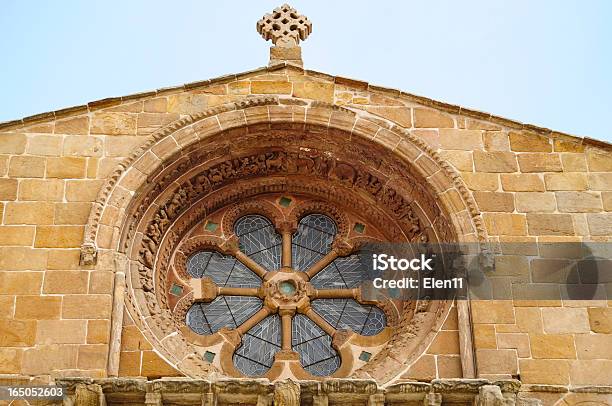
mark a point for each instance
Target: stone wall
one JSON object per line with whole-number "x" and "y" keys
{"x": 529, "y": 185}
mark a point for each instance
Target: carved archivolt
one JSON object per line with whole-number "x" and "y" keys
{"x": 243, "y": 168}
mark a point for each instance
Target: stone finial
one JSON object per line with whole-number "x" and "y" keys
{"x": 285, "y": 27}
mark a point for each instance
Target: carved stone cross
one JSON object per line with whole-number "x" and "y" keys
{"x": 286, "y": 28}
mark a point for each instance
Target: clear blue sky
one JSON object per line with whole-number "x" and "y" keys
{"x": 544, "y": 62}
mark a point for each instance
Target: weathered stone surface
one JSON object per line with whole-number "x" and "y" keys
{"x": 17, "y": 235}
{"x": 495, "y": 201}
{"x": 529, "y": 142}
{"x": 82, "y": 146}
{"x": 579, "y": 202}
{"x": 38, "y": 307}
{"x": 550, "y": 224}
{"x": 27, "y": 167}
{"x": 599, "y": 162}
{"x": 61, "y": 332}
{"x": 446, "y": 342}
{"x": 524, "y": 182}
{"x": 496, "y": 141}
{"x": 594, "y": 346}
{"x": 41, "y": 190}
{"x": 591, "y": 372}
{"x": 541, "y": 202}
{"x": 492, "y": 311}
{"x": 66, "y": 167}
{"x": 424, "y": 369}
{"x": 600, "y": 224}
{"x": 17, "y": 333}
{"x": 12, "y": 143}
{"x": 565, "y": 320}
{"x": 58, "y": 236}
{"x": 10, "y": 360}
{"x": 484, "y": 336}
{"x": 497, "y": 361}
{"x": 48, "y": 358}
{"x": 86, "y": 306}
{"x": 565, "y": 181}
{"x": 19, "y": 282}
{"x": 552, "y": 372}
{"x": 48, "y": 145}
{"x": 113, "y": 123}
{"x": 573, "y": 162}
{"x": 505, "y": 223}
{"x": 314, "y": 90}
{"x": 552, "y": 346}
{"x": 517, "y": 341}
{"x": 271, "y": 87}
{"x": 153, "y": 365}
{"x": 600, "y": 181}
{"x": 425, "y": 118}
{"x": 481, "y": 181}
{"x": 495, "y": 161}
{"x": 539, "y": 162}
{"x": 449, "y": 366}
{"x": 600, "y": 319}
{"x": 468, "y": 140}
{"x": 75, "y": 125}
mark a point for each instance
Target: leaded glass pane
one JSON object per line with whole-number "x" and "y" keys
{"x": 224, "y": 311}
{"x": 317, "y": 355}
{"x": 258, "y": 240}
{"x": 312, "y": 240}
{"x": 255, "y": 355}
{"x": 345, "y": 314}
{"x": 342, "y": 273}
{"x": 224, "y": 270}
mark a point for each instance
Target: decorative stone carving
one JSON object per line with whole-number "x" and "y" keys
{"x": 286, "y": 393}
{"x": 284, "y": 26}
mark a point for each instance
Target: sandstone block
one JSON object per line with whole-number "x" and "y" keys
{"x": 568, "y": 145}
{"x": 98, "y": 331}
{"x": 550, "y": 224}
{"x": 446, "y": 342}
{"x": 7, "y": 306}
{"x": 74, "y": 125}
{"x": 63, "y": 259}
{"x": 28, "y": 213}
{"x": 133, "y": 340}
{"x": 591, "y": 372}
{"x": 495, "y": 161}
{"x": 65, "y": 282}
{"x": 600, "y": 319}
{"x": 449, "y": 366}
{"x": 38, "y": 307}
{"x": 47, "y": 358}
{"x": 129, "y": 363}
{"x": 66, "y": 167}
{"x": 484, "y": 336}
{"x": 529, "y": 142}
{"x": 8, "y": 189}
{"x": 187, "y": 103}
{"x": 113, "y": 123}
{"x": 517, "y": 341}
{"x": 316, "y": 91}
{"x": 92, "y": 356}
{"x": 121, "y": 146}
{"x": 270, "y": 87}
{"x": 461, "y": 160}
{"x": 600, "y": 181}
{"x": 426, "y": 118}
{"x": 83, "y": 190}
{"x": 153, "y": 365}
{"x": 539, "y": 162}
{"x": 27, "y": 167}
{"x": 565, "y": 320}
{"x": 573, "y": 162}
{"x": 552, "y": 346}
{"x": 496, "y": 141}
{"x": 101, "y": 282}
{"x": 10, "y": 360}
{"x": 551, "y": 270}
{"x": 481, "y": 181}
{"x": 12, "y": 143}
{"x": 565, "y": 181}
{"x": 600, "y": 224}
{"x": 497, "y": 361}
{"x": 17, "y": 333}
{"x": 71, "y": 213}
{"x": 599, "y": 162}
{"x": 424, "y": 369}
{"x": 594, "y": 346}
{"x": 523, "y": 182}
{"x": 543, "y": 371}
{"x": 41, "y": 190}
{"x": 541, "y": 202}
{"x": 48, "y": 145}
{"x": 4, "y": 163}
{"x": 492, "y": 312}
{"x": 86, "y": 307}
{"x": 240, "y": 87}
{"x": 61, "y": 332}
{"x": 156, "y": 105}
{"x": 495, "y": 201}
{"x": 579, "y": 202}
{"x": 468, "y": 140}
{"x": 80, "y": 146}
{"x": 528, "y": 320}
{"x": 505, "y": 223}
{"x": 20, "y": 282}
{"x": 511, "y": 265}
{"x": 58, "y": 236}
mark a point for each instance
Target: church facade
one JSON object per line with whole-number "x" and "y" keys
{"x": 198, "y": 245}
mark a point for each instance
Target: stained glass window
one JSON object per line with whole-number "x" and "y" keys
{"x": 260, "y": 241}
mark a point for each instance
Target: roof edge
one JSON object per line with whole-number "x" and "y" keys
{"x": 359, "y": 84}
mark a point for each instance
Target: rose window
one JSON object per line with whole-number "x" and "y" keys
{"x": 282, "y": 292}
